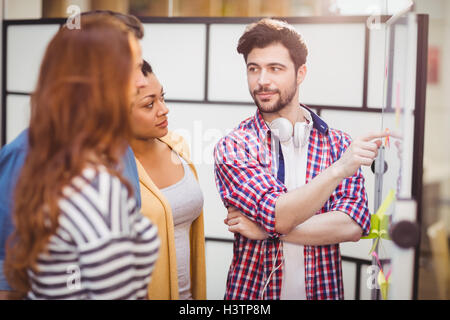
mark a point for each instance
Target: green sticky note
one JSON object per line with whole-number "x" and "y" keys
{"x": 379, "y": 222}
{"x": 384, "y": 227}
{"x": 374, "y": 245}
{"x": 374, "y": 227}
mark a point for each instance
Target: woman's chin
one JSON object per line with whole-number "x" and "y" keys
{"x": 164, "y": 131}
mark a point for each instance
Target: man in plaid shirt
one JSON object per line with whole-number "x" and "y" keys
{"x": 287, "y": 237}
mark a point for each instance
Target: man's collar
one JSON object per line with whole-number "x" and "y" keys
{"x": 263, "y": 128}
{"x": 318, "y": 123}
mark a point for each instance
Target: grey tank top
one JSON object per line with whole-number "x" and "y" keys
{"x": 186, "y": 201}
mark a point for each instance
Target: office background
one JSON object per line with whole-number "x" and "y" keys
{"x": 196, "y": 61}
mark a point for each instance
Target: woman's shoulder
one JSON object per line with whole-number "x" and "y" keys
{"x": 93, "y": 203}
{"x": 95, "y": 177}
{"x": 95, "y": 187}
{"x": 178, "y": 143}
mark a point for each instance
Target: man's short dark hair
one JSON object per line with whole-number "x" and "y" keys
{"x": 268, "y": 31}
{"x": 146, "y": 68}
{"x": 129, "y": 20}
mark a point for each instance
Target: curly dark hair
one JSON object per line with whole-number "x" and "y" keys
{"x": 267, "y": 31}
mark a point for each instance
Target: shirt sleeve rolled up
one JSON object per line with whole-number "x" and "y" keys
{"x": 246, "y": 183}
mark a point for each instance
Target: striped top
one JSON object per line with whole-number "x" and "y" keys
{"x": 103, "y": 247}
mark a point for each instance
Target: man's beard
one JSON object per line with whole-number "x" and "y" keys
{"x": 282, "y": 101}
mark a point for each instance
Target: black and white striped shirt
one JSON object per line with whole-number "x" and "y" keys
{"x": 103, "y": 248}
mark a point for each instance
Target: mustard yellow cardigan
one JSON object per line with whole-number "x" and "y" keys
{"x": 164, "y": 282}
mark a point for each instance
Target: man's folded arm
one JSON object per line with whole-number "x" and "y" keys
{"x": 244, "y": 183}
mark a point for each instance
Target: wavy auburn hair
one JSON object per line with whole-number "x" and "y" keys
{"x": 79, "y": 115}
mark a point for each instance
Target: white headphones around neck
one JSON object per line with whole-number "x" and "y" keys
{"x": 282, "y": 129}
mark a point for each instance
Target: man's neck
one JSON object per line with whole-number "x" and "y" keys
{"x": 292, "y": 112}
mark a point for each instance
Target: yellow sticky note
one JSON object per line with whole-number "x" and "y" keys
{"x": 384, "y": 285}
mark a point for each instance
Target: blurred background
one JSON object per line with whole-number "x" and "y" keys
{"x": 26, "y": 9}
{"x": 434, "y": 268}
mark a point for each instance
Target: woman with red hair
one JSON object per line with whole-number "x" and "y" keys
{"x": 78, "y": 231}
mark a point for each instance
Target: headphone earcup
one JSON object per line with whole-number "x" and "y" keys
{"x": 298, "y": 134}
{"x": 301, "y": 130}
{"x": 282, "y": 129}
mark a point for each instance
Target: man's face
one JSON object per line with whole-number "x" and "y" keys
{"x": 272, "y": 79}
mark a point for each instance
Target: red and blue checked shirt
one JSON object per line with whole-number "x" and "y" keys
{"x": 246, "y": 178}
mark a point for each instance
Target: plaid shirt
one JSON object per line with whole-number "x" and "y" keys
{"x": 246, "y": 178}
